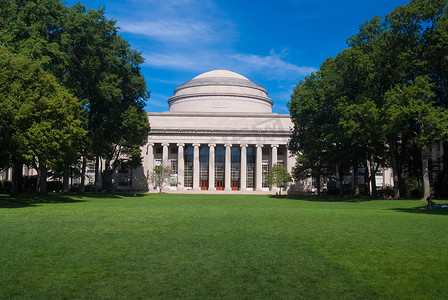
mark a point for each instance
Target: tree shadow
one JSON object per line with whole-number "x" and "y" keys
{"x": 27, "y": 200}
{"x": 423, "y": 210}
{"x": 324, "y": 198}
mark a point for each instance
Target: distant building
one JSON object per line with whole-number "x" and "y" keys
{"x": 219, "y": 134}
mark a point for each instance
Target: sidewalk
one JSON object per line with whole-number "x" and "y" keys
{"x": 168, "y": 191}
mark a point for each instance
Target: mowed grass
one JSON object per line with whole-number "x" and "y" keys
{"x": 220, "y": 246}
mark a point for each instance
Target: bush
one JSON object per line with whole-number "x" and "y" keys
{"x": 386, "y": 192}
{"x": 411, "y": 188}
{"x": 5, "y": 186}
{"x": 54, "y": 186}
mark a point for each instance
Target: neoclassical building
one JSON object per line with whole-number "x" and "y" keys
{"x": 219, "y": 134}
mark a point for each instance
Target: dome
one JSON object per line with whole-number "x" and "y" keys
{"x": 220, "y": 91}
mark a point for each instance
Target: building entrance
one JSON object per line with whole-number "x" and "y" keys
{"x": 219, "y": 185}
{"x": 204, "y": 185}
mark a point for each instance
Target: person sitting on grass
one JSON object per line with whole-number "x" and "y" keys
{"x": 431, "y": 204}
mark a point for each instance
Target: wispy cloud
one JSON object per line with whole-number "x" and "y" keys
{"x": 272, "y": 64}
{"x": 170, "y": 31}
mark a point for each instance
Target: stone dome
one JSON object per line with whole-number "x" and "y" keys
{"x": 220, "y": 91}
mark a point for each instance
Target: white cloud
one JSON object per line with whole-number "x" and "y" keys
{"x": 173, "y": 61}
{"x": 273, "y": 64}
{"x": 170, "y": 31}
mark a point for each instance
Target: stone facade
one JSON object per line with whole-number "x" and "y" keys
{"x": 219, "y": 134}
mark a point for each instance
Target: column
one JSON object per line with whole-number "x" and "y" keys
{"x": 290, "y": 160}
{"x": 274, "y": 155}
{"x": 180, "y": 166}
{"x": 274, "y": 158}
{"x": 211, "y": 167}
{"x": 258, "y": 168}
{"x": 227, "y": 182}
{"x": 243, "y": 174}
{"x": 150, "y": 154}
{"x": 196, "y": 167}
{"x": 165, "y": 161}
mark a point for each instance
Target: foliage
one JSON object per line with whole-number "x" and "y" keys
{"x": 279, "y": 177}
{"x": 83, "y": 49}
{"x": 159, "y": 177}
{"x": 380, "y": 101}
{"x": 103, "y": 71}
{"x": 39, "y": 118}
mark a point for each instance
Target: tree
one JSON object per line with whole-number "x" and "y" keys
{"x": 83, "y": 49}
{"x": 411, "y": 107}
{"x": 104, "y": 72}
{"x": 279, "y": 177}
{"x": 387, "y": 89}
{"x": 40, "y": 122}
{"x": 160, "y": 177}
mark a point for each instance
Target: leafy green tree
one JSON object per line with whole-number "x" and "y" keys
{"x": 159, "y": 177}
{"x": 39, "y": 118}
{"x": 412, "y": 104}
{"x": 385, "y": 96}
{"x": 279, "y": 177}
{"x": 83, "y": 49}
{"x": 104, "y": 72}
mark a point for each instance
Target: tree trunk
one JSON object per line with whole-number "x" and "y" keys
{"x": 368, "y": 177}
{"x": 355, "y": 180}
{"x": 425, "y": 173}
{"x": 82, "y": 188}
{"x": 318, "y": 185}
{"x": 97, "y": 173}
{"x": 396, "y": 173}
{"x": 43, "y": 189}
{"x": 373, "y": 177}
{"x": 341, "y": 180}
{"x": 16, "y": 172}
{"x": 66, "y": 188}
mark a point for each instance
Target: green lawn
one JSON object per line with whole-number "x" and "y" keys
{"x": 220, "y": 246}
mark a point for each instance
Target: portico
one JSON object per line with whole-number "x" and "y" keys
{"x": 213, "y": 166}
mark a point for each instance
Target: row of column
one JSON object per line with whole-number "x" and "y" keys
{"x": 227, "y": 176}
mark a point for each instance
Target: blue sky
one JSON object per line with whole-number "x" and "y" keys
{"x": 273, "y": 43}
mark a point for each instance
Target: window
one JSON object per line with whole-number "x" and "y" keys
{"x": 220, "y": 157}
{"x": 188, "y": 166}
{"x": 159, "y": 150}
{"x": 91, "y": 167}
{"x": 173, "y": 150}
{"x": 124, "y": 177}
{"x": 264, "y": 173}
{"x": 250, "y": 167}
{"x": 265, "y": 151}
{"x": 235, "y": 168}
{"x": 173, "y": 175}
{"x": 280, "y": 151}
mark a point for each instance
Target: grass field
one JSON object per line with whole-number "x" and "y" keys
{"x": 220, "y": 246}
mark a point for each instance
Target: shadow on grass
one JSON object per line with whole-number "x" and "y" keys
{"x": 324, "y": 198}
{"x": 27, "y": 200}
{"x": 423, "y": 210}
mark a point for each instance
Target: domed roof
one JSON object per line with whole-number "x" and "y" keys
{"x": 220, "y": 91}
{"x": 220, "y": 73}
{"x": 220, "y": 77}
